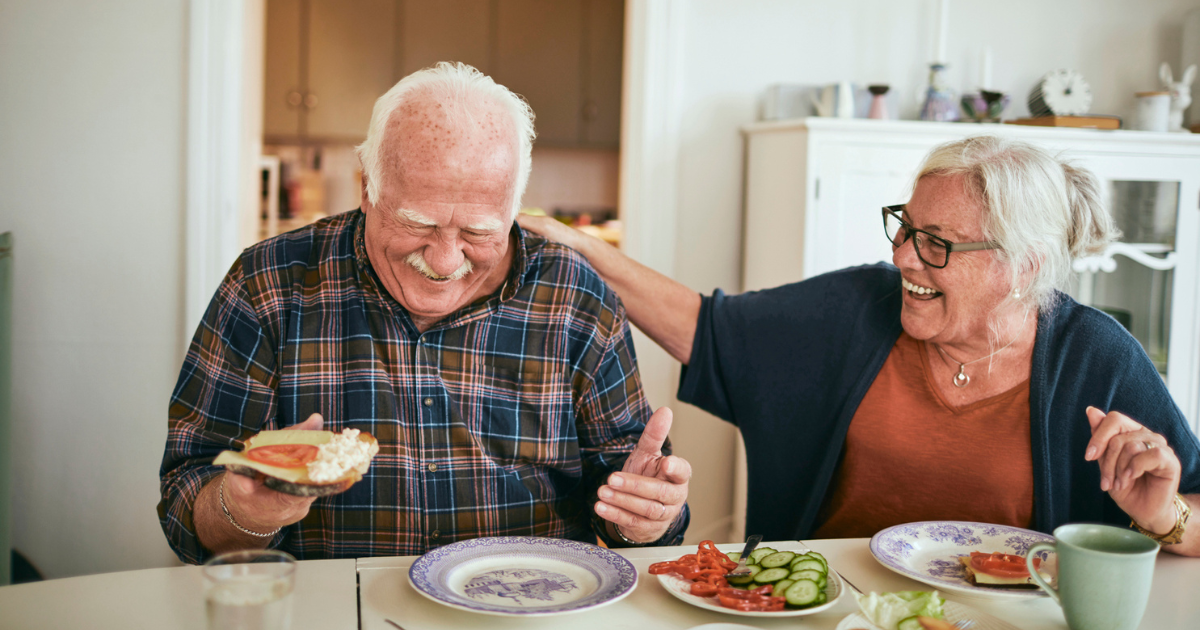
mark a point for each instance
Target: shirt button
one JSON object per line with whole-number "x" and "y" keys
{"x": 432, "y": 467}
{"x": 428, "y": 402}
{"x": 436, "y": 534}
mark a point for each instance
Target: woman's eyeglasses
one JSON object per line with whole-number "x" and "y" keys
{"x": 931, "y": 249}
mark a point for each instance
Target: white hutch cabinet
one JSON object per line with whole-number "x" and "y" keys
{"x": 814, "y": 188}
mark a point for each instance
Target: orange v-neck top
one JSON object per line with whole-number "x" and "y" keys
{"x": 911, "y": 456}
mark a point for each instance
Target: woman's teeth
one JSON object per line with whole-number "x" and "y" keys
{"x": 916, "y": 289}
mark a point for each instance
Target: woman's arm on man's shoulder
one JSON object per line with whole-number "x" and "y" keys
{"x": 662, "y": 308}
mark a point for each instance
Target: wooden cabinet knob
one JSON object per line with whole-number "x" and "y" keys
{"x": 310, "y": 101}
{"x": 294, "y": 99}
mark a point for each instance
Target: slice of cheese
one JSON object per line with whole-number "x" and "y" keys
{"x": 980, "y": 578}
{"x": 298, "y": 475}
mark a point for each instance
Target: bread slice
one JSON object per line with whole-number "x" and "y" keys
{"x": 979, "y": 578}
{"x": 294, "y": 481}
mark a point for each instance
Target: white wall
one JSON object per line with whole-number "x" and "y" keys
{"x": 91, "y": 144}
{"x": 734, "y": 50}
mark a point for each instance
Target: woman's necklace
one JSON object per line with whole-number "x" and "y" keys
{"x": 961, "y": 379}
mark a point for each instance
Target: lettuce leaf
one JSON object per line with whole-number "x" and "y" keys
{"x": 887, "y": 610}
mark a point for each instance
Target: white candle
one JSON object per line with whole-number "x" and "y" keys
{"x": 942, "y": 25}
{"x": 985, "y": 69}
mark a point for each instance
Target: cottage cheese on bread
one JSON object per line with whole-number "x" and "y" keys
{"x": 343, "y": 453}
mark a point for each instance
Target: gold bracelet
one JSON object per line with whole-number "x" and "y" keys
{"x": 229, "y": 517}
{"x": 1175, "y": 536}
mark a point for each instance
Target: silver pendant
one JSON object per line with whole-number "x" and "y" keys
{"x": 961, "y": 379}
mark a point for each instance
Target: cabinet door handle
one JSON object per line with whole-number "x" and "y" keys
{"x": 294, "y": 99}
{"x": 310, "y": 101}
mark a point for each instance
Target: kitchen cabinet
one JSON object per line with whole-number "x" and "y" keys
{"x": 815, "y": 186}
{"x": 327, "y": 61}
{"x": 565, "y": 59}
{"x": 445, "y": 30}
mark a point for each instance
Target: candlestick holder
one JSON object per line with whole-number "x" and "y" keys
{"x": 940, "y": 105}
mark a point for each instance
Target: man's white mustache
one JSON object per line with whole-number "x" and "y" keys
{"x": 417, "y": 260}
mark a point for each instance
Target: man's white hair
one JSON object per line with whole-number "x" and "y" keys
{"x": 467, "y": 89}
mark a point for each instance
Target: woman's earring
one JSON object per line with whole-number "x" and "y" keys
{"x": 1016, "y": 294}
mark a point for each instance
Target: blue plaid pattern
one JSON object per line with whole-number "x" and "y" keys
{"x": 500, "y": 420}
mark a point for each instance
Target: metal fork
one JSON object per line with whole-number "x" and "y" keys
{"x": 741, "y": 568}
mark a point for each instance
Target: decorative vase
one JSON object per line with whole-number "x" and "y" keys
{"x": 986, "y": 106}
{"x": 939, "y": 100}
{"x": 879, "y": 109}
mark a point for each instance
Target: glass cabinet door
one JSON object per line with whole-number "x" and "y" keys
{"x": 1147, "y": 279}
{"x": 1134, "y": 280}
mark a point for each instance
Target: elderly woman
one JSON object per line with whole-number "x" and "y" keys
{"x": 959, "y": 383}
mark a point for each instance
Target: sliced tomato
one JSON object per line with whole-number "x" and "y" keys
{"x": 283, "y": 455}
{"x": 1003, "y": 565}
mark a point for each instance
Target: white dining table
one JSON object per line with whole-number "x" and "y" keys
{"x": 386, "y": 594}
{"x": 375, "y": 594}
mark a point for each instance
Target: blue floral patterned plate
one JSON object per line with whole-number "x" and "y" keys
{"x": 928, "y": 552}
{"x": 522, "y": 576}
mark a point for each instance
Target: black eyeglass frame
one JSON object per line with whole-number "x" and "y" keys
{"x": 909, "y": 230}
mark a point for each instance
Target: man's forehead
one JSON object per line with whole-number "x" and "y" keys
{"x": 428, "y": 122}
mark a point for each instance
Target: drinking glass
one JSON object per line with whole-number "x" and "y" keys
{"x": 249, "y": 590}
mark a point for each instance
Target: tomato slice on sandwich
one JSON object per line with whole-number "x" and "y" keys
{"x": 1003, "y": 565}
{"x": 284, "y": 455}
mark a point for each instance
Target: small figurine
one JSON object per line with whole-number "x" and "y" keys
{"x": 1181, "y": 93}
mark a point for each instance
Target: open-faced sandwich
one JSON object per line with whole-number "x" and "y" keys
{"x": 304, "y": 463}
{"x": 1000, "y": 569}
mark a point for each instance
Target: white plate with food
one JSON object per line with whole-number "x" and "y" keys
{"x": 830, "y": 590}
{"x": 953, "y": 612}
{"x": 938, "y": 553}
{"x": 523, "y": 576}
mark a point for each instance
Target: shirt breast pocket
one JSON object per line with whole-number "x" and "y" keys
{"x": 525, "y": 418}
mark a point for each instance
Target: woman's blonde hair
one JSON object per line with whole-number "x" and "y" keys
{"x": 1044, "y": 211}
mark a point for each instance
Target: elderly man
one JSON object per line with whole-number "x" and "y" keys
{"x": 496, "y": 369}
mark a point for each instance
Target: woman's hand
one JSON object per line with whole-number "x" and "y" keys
{"x": 1138, "y": 469}
{"x": 554, "y": 230}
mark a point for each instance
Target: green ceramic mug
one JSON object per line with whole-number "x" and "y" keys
{"x": 1104, "y": 575}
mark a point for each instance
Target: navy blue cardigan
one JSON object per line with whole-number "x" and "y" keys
{"x": 789, "y": 366}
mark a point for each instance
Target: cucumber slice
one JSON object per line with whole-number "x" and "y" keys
{"x": 760, "y": 553}
{"x": 817, "y": 556}
{"x": 778, "y": 559}
{"x": 909, "y": 623}
{"x": 809, "y": 563}
{"x": 781, "y": 587}
{"x": 767, "y": 576}
{"x": 802, "y": 593}
{"x": 807, "y": 574}
{"x": 748, "y": 578}
{"x": 822, "y": 598}
{"x": 735, "y": 556}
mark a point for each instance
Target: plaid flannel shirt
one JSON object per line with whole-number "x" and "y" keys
{"x": 502, "y": 419}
